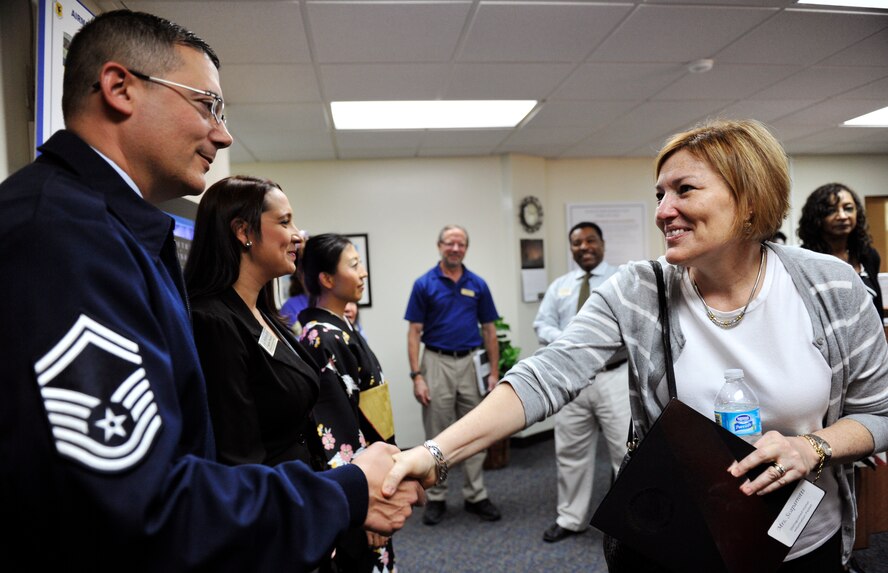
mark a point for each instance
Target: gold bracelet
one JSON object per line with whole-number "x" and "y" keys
{"x": 820, "y": 454}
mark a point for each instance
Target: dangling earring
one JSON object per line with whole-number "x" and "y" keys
{"x": 747, "y": 227}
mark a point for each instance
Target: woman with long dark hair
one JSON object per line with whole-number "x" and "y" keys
{"x": 834, "y": 222}
{"x": 353, "y": 408}
{"x": 261, "y": 385}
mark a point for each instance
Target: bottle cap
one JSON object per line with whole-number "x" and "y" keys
{"x": 733, "y": 373}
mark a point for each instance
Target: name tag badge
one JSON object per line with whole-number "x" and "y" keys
{"x": 268, "y": 341}
{"x": 796, "y": 513}
{"x": 563, "y": 292}
{"x": 467, "y": 292}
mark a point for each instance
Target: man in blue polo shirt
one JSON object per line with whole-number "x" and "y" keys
{"x": 446, "y": 306}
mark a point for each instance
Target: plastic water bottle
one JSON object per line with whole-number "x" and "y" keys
{"x": 737, "y": 408}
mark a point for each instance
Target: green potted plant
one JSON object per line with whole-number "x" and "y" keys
{"x": 498, "y": 452}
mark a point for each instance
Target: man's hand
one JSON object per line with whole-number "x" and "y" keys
{"x": 416, "y": 463}
{"x": 376, "y": 540}
{"x": 386, "y": 514}
{"x": 492, "y": 381}
{"x": 421, "y": 390}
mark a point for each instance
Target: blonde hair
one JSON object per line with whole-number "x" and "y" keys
{"x": 751, "y": 162}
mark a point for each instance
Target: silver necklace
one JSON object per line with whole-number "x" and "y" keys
{"x": 726, "y": 324}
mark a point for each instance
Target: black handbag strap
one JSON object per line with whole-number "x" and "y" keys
{"x": 664, "y": 324}
{"x": 632, "y": 440}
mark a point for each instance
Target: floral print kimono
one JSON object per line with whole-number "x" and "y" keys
{"x": 347, "y": 366}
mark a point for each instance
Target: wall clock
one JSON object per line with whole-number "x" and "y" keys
{"x": 531, "y": 214}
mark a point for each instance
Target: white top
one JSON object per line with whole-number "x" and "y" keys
{"x": 793, "y": 392}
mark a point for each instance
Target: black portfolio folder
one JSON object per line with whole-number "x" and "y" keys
{"x": 676, "y": 503}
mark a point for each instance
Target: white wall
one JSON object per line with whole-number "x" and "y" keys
{"x": 402, "y": 204}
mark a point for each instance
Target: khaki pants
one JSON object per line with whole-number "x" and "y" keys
{"x": 453, "y": 390}
{"x": 604, "y": 404}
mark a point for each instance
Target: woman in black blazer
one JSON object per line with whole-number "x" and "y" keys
{"x": 261, "y": 384}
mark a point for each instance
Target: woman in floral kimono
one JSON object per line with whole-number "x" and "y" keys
{"x": 353, "y": 409}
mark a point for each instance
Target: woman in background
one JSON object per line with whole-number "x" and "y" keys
{"x": 833, "y": 222}
{"x": 334, "y": 276}
{"x": 261, "y": 385}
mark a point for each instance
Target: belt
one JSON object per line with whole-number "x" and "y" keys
{"x": 451, "y": 353}
{"x": 615, "y": 365}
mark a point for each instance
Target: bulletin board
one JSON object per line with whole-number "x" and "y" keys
{"x": 625, "y": 227}
{"x": 58, "y": 23}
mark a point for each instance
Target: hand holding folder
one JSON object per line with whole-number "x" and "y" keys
{"x": 676, "y": 503}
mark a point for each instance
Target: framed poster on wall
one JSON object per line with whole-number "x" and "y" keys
{"x": 625, "y": 227}
{"x": 360, "y": 242}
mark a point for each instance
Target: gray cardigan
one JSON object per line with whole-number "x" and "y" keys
{"x": 622, "y": 314}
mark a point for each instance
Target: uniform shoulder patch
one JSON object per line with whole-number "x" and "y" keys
{"x": 98, "y": 400}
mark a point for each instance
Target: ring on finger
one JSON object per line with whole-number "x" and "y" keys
{"x": 781, "y": 471}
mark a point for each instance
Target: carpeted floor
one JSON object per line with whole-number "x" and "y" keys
{"x": 525, "y": 493}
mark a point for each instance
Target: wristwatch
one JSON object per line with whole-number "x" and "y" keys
{"x": 414, "y": 374}
{"x": 823, "y": 450}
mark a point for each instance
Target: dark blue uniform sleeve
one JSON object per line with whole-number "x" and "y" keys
{"x": 104, "y": 429}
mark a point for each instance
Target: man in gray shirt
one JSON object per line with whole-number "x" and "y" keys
{"x": 604, "y": 404}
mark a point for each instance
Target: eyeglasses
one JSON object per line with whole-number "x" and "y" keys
{"x": 454, "y": 244}
{"x": 216, "y": 105}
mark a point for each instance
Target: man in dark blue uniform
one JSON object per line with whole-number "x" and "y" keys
{"x": 106, "y": 444}
{"x": 446, "y": 306}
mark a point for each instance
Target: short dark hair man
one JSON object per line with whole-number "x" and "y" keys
{"x": 604, "y": 404}
{"x": 106, "y": 439}
{"x": 445, "y": 308}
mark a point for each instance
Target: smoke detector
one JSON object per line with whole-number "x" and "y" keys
{"x": 700, "y": 66}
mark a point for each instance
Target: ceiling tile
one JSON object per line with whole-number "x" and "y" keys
{"x": 240, "y": 32}
{"x": 763, "y": 110}
{"x": 802, "y": 37}
{"x": 822, "y": 82}
{"x": 454, "y": 138}
{"x": 872, "y": 51}
{"x": 363, "y": 82}
{"x": 358, "y": 140}
{"x": 288, "y": 145}
{"x": 728, "y": 81}
{"x": 677, "y": 33}
{"x": 586, "y": 114}
{"x": 386, "y": 32}
{"x": 556, "y": 32}
{"x": 635, "y": 82}
{"x": 275, "y": 117}
{"x": 832, "y": 112}
{"x": 269, "y": 83}
{"x": 505, "y": 81}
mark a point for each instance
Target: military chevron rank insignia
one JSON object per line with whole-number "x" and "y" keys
{"x": 99, "y": 403}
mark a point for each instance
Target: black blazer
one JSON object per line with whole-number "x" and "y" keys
{"x": 260, "y": 404}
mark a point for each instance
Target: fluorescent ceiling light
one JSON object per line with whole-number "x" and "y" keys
{"x": 878, "y": 118}
{"x": 881, "y": 4}
{"x": 429, "y": 114}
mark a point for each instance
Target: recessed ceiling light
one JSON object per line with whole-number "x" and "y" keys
{"x": 454, "y": 114}
{"x": 878, "y": 118}
{"x": 881, "y": 4}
